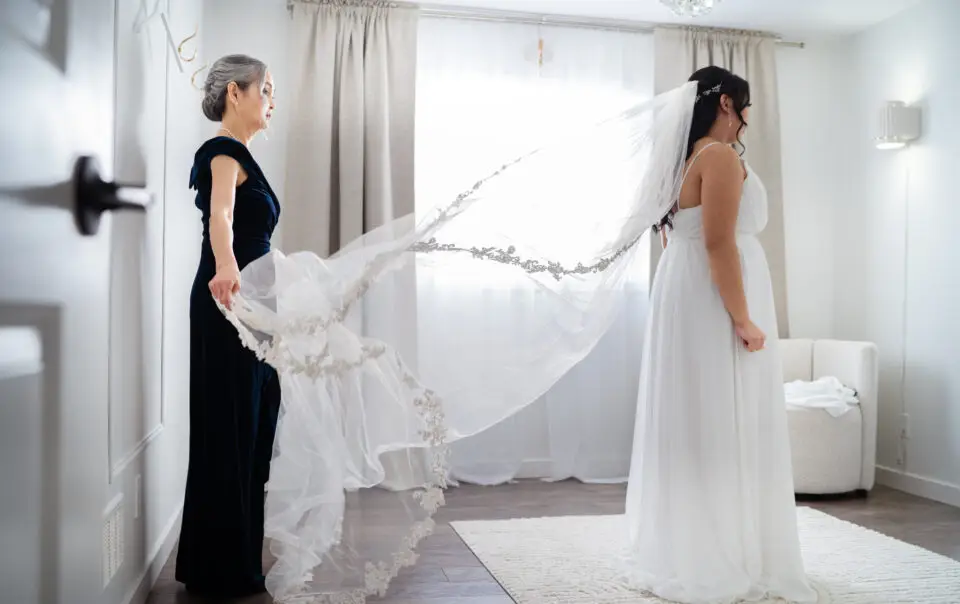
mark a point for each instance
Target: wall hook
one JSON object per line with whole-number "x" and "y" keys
{"x": 183, "y": 42}
{"x": 193, "y": 78}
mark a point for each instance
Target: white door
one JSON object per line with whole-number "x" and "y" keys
{"x": 57, "y": 62}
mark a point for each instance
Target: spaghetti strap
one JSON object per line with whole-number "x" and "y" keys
{"x": 676, "y": 204}
{"x": 694, "y": 160}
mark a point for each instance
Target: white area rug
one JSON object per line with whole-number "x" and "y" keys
{"x": 573, "y": 560}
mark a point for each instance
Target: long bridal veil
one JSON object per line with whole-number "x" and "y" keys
{"x": 368, "y": 408}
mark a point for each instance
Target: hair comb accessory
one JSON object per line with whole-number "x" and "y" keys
{"x": 708, "y": 92}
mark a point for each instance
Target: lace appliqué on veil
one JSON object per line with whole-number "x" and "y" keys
{"x": 532, "y": 266}
{"x": 377, "y": 577}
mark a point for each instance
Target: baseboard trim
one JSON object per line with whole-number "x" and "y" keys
{"x": 928, "y": 488}
{"x": 158, "y": 558}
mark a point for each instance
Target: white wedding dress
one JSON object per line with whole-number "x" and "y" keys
{"x": 710, "y": 502}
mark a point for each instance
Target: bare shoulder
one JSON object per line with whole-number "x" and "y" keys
{"x": 224, "y": 163}
{"x": 721, "y": 158}
{"x": 722, "y": 179}
{"x": 226, "y": 169}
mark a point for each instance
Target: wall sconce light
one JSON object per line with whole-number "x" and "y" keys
{"x": 899, "y": 125}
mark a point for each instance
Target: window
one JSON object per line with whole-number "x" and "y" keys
{"x": 483, "y": 98}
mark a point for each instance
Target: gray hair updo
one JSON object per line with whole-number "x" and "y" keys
{"x": 241, "y": 69}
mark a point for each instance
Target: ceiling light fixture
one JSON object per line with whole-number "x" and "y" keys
{"x": 690, "y": 8}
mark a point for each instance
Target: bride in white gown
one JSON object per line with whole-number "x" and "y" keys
{"x": 710, "y": 501}
{"x": 370, "y": 404}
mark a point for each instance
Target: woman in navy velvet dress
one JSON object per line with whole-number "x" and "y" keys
{"x": 234, "y": 398}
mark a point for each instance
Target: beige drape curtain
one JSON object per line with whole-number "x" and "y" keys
{"x": 350, "y": 150}
{"x": 350, "y": 145}
{"x": 678, "y": 52}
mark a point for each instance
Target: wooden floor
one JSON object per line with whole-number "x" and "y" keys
{"x": 448, "y": 573}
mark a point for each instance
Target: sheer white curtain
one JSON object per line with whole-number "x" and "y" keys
{"x": 487, "y": 92}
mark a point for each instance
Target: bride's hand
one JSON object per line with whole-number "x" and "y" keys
{"x": 752, "y": 337}
{"x": 225, "y": 283}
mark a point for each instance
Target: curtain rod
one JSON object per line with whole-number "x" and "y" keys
{"x": 508, "y": 16}
{"x": 503, "y": 16}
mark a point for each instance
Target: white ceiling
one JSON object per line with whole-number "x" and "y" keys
{"x": 786, "y": 17}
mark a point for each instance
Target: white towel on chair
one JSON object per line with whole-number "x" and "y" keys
{"x": 827, "y": 393}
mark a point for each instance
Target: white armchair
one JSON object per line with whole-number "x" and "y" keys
{"x": 833, "y": 455}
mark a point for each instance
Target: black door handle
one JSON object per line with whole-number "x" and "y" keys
{"x": 93, "y": 196}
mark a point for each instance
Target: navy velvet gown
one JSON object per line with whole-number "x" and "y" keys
{"x": 234, "y": 400}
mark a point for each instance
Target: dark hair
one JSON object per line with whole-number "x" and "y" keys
{"x": 712, "y": 83}
{"x": 241, "y": 69}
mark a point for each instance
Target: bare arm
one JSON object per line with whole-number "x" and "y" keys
{"x": 225, "y": 171}
{"x": 226, "y": 281}
{"x": 722, "y": 184}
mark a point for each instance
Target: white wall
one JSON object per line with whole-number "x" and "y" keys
{"x": 813, "y": 99}
{"x": 154, "y": 258}
{"x": 896, "y": 233}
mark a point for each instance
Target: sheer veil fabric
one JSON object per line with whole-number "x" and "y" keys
{"x": 355, "y": 388}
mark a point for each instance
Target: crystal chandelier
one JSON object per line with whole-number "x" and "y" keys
{"x": 690, "y": 8}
